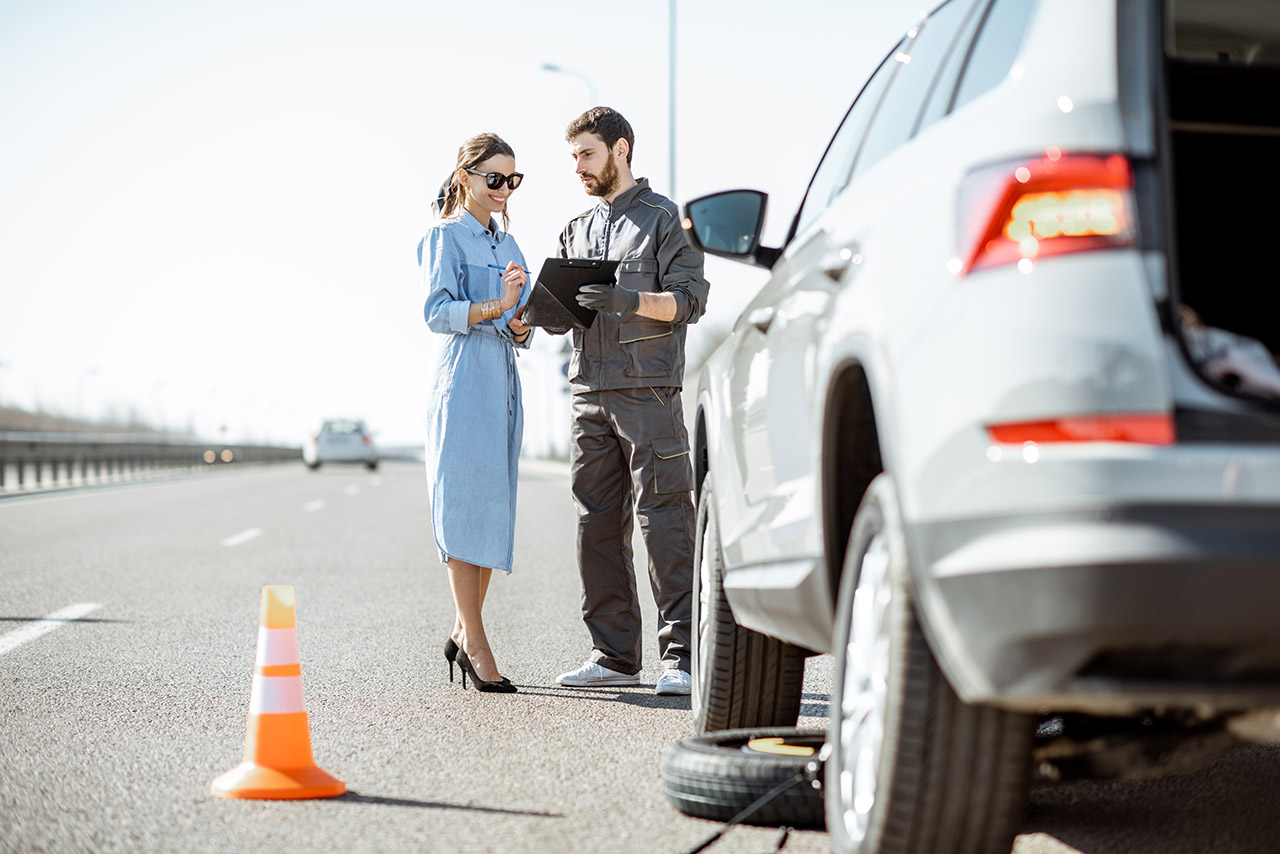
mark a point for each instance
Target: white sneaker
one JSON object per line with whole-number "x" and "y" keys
{"x": 674, "y": 682}
{"x": 589, "y": 675}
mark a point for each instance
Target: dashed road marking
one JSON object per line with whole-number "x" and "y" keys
{"x": 242, "y": 537}
{"x": 313, "y": 506}
{"x": 352, "y": 490}
{"x": 36, "y": 628}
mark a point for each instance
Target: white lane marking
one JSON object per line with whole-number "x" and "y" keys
{"x": 39, "y": 627}
{"x": 242, "y": 537}
{"x": 377, "y": 481}
{"x": 313, "y": 506}
{"x": 352, "y": 490}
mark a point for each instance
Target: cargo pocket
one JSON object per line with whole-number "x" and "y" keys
{"x": 639, "y": 274}
{"x": 577, "y": 371}
{"x": 649, "y": 348}
{"x": 672, "y": 467}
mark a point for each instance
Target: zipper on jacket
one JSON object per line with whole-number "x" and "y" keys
{"x": 608, "y": 232}
{"x": 608, "y": 235}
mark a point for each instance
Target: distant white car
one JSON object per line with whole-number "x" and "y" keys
{"x": 341, "y": 440}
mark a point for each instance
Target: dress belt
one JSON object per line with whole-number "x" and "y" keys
{"x": 486, "y": 328}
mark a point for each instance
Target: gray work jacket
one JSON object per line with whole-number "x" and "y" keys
{"x": 641, "y": 229}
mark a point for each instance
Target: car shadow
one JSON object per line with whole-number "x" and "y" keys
{"x": 1227, "y": 806}
{"x": 815, "y": 705}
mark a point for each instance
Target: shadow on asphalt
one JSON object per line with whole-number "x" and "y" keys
{"x": 1228, "y": 806}
{"x": 639, "y": 695}
{"x": 815, "y": 705}
{"x": 60, "y": 620}
{"x": 356, "y": 798}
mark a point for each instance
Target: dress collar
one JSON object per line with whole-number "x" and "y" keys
{"x": 473, "y": 225}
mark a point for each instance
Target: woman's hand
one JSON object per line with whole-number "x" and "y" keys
{"x": 517, "y": 326}
{"x": 513, "y": 281}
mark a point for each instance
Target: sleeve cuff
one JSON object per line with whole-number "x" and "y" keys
{"x": 682, "y": 307}
{"x": 458, "y": 312}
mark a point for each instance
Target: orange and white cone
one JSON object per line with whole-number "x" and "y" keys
{"x": 277, "y": 748}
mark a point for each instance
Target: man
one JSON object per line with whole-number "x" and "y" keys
{"x": 629, "y": 447}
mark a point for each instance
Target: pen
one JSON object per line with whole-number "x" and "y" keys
{"x": 499, "y": 267}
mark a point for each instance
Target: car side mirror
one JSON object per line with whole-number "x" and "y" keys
{"x": 728, "y": 224}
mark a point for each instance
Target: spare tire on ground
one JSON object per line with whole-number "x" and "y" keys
{"x": 719, "y": 774}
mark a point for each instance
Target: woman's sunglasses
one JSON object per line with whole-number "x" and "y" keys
{"x": 495, "y": 180}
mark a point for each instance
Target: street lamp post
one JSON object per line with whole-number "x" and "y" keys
{"x": 591, "y": 86}
{"x": 671, "y": 98}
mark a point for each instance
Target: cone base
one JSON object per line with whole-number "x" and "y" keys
{"x": 248, "y": 780}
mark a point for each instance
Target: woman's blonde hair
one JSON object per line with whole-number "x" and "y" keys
{"x": 476, "y": 150}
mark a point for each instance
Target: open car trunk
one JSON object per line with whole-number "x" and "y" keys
{"x": 1222, "y": 73}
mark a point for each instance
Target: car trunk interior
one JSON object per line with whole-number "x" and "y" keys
{"x": 1222, "y": 74}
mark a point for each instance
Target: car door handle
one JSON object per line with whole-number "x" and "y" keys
{"x": 762, "y": 318}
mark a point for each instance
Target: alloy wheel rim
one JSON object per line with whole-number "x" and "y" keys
{"x": 703, "y": 619}
{"x": 864, "y": 698}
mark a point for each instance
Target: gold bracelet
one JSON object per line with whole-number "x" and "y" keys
{"x": 490, "y": 309}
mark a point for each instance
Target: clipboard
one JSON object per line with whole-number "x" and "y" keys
{"x": 553, "y": 302}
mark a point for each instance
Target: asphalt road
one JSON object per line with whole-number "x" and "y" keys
{"x": 113, "y": 724}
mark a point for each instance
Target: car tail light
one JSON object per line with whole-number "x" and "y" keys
{"x": 1154, "y": 429}
{"x": 367, "y": 440}
{"x": 1018, "y": 212}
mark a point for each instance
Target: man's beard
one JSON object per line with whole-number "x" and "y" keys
{"x": 607, "y": 180}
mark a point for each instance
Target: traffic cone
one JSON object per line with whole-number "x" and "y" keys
{"x": 277, "y": 748}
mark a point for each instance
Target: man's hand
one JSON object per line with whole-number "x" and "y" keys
{"x": 611, "y": 299}
{"x": 516, "y": 324}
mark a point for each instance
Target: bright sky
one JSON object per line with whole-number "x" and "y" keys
{"x": 209, "y": 211}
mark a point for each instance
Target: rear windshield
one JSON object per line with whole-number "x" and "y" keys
{"x": 1228, "y": 32}
{"x": 343, "y": 427}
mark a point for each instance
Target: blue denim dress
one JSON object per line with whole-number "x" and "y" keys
{"x": 475, "y": 419}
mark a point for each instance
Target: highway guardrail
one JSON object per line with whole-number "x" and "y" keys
{"x": 36, "y": 461}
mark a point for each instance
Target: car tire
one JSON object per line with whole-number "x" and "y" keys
{"x": 911, "y": 767}
{"x": 741, "y": 678}
{"x": 718, "y": 775}
{"x": 372, "y": 466}
{"x": 313, "y": 466}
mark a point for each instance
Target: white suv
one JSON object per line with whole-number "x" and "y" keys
{"x": 1002, "y": 430}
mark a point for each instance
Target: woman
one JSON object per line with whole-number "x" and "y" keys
{"x": 476, "y": 290}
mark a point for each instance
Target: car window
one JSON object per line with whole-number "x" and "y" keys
{"x": 945, "y": 83}
{"x": 995, "y": 49}
{"x": 920, "y": 58}
{"x": 343, "y": 427}
{"x": 833, "y": 171}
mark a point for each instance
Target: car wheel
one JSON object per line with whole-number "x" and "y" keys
{"x": 741, "y": 678}
{"x": 912, "y": 768}
{"x": 720, "y": 774}
{"x": 372, "y": 466}
{"x": 313, "y": 466}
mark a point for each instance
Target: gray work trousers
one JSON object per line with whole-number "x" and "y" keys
{"x": 630, "y": 450}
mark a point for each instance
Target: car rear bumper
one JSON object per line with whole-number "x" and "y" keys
{"x": 345, "y": 455}
{"x": 1109, "y": 610}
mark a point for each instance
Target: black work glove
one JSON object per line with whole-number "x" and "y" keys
{"x": 611, "y": 299}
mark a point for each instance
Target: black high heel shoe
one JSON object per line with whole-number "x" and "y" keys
{"x": 502, "y": 686}
{"x": 450, "y": 654}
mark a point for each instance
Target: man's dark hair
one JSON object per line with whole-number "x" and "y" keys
{"x": 606, "y": 123}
